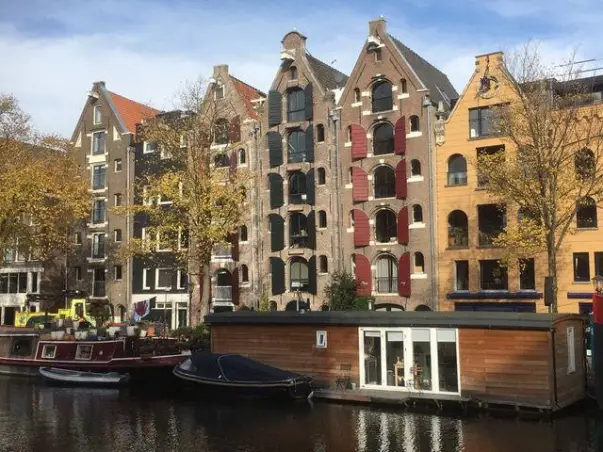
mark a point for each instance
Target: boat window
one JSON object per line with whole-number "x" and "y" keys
{"x": 21, "y": 347}
{"x": 83, "y": 352}
{"x": 49, "y": 352}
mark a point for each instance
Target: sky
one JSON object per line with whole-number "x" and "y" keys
{"x": 51, "y": 51}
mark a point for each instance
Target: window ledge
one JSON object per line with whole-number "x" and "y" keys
{"x": 416, "y": 226}
{"x": 457, "y": 247}
{"x": 349, "y": 230}
{"x": 455, "y": 185}
{"x": 403, "y": 96}
{"x": 582, "y": 283}
{"x": 349, "y": 185}
{"x": 595, "y": 228}
{"x": 415, "y": 179}
{"x": 97, "y": 190}
{"x": 418, "y": 276}
{"x": 414, "y": 134}
{"x": 356, "y": 104}
{"x": 97, "y": 225}
{"x": 347, "y": 144}
{"x": 373, "y": 243}
{"x": 243, "y": 242}
{"x": 384, "y": 294}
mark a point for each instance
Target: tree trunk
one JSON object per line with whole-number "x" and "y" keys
{"x": 552, "y": 264}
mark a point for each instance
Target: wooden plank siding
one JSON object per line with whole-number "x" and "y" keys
{"x": 570, "y": 386}
{"x": 292, "y": 348}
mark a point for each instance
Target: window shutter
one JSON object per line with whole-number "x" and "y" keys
{"x": 358, "y": 142}
{"x": 363, "y": 275}
{"x": 403, "y": 226}
{"x": 234, "y": 130}
{"x": 400, "y": 136}
{"x": 312, "y": 286}
{"x": 275, "y": 149}
{"x": 277, "y": 198}
{"x": 277, "y": 268}
{"x": 233, "y": 162}
{"x": 235, "y": 286}
{"x": 310, "y": 187}
{"x": 401, "y": 184}
{"x": 310, "y": 143}
{"x": 311, "y": 225}
{"x": 360, "y": 190}
{"x": 404, "y": 275}
{"x": 277, "y": 232}
{"x": 309, "y": 101}
{"x": 361, "y": 228}
{"x": 234, "y": 247}
{"x": 275, "y": 108}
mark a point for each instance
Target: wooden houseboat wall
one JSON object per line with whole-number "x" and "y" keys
{"x": 531, "y": 360}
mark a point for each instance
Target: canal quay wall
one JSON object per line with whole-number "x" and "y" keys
{"x": 519, "y": 361}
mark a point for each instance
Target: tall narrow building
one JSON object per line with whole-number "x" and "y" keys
{"x": 301, "y": 239}
{"x": 386, "y": 137}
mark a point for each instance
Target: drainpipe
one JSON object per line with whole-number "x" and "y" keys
{"x": 339, "y": 188}
{"x": 129, "y": 259}
{"x": 257, "y": 246}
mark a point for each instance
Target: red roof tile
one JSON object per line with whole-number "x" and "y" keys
{"x": 132, "y": 112}
{"x": 247, "y": 93}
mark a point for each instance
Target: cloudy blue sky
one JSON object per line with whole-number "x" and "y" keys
{"x": 52, "y": 50}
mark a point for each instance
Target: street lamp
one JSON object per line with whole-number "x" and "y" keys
{"x": 598, "y": 283}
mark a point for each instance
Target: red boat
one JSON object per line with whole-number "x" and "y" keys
{"x": 24, "y": 352}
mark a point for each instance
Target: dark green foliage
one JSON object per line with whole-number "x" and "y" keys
{"x": 341, "y": 294}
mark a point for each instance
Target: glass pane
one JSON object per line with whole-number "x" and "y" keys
{"x": 395, "y": 359}
{"x": 422, "y": 359}
{"x": 448, "y": 372}
{"x": 372, "y": 358}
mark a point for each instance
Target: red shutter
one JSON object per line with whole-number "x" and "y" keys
{"x": 360, "y": 191}
{"x": 401, "y": 188}
{"x": 362, "y": 230}
{"x": 234, "y": 248}
{"x": 235, "y": 286}
{"x": 234, "y": 131}
{"x": 233, "y": 162}
{"x": 400, "y": 136}
{"x": 363, "y": 275}
{"x": 358, "y": 142}
{"x": 404, "y": 275}
{"x": 403, "y": 226}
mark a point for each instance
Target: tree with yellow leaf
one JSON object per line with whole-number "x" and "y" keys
{"x": 192, "y": 196}
{"x": 552, "y": 167}
{"x": 42, "y": 193}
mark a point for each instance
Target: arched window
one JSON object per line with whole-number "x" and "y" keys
{"x": 422, "y": 308}
{"x": 457, "y": 170}
{"x": 296, "y": 105}
{"x": 419, "y": 263}
{"x": 323, "y": 264}
{"x": 320, "y": 133}
{"x": 297, "y": 147}
{"x": 417, "y": 214}
{"x": 322, "y": 176}
{"x": 293, "y": 73}
{"x": 458, "y": 229}
{"x": 385, "y": 182}
{"x": 386, "y": 274}
{"x": 322, "y": 219}
{"x": 221, "y": 161}
{"x": 585, "y": 163}
{"x": 242, "y": 157}
{"x": 403, "y": 86}
{"x": 385, "y": 226}
{"x": 298, "y": 274}
{"x": 243, "y": 233}
{"x": 382, "y": 96}
{"x": 415, "y": 126}
{"x": 221, "y": 131}
{"x": 273, "y": 306}
{"x": 298, "y": 230}
{"x": 356, "y": 95}
{"x": 586, "y": 215}
{"x": 244, "y": 274}
{"x": 297, "y": 187}
{"x": 383, "y": 139}
{"x": 415, "y": 168}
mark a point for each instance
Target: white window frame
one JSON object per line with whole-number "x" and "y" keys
{"x": 158, "y": 243}
{"x": 115, "y": 236}
{"x": 145, "y": 282}
{"x": 219, "y": 85}
{"x": 77, "y": 238}
{"x": 115, "y": 273}
{"x": 46, "y": 351}
{"x": 157, "y": 286}
{"x": 97, "y": 111}
{"x": 571, "y": 350}
{"x": 117, "y": 196}
{"x": 92, "y": 154}
{"x": 115, "y": 164}
{"x": 164, "y": 154}
{"x": 78, "y": 352}
{"x": 179, "y": 277}
{"x": 145, "y": 147}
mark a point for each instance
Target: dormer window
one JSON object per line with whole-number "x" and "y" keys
{"x": 219, "y": 92}
{"x": 98, "y": 114}
{"x": 293, "y": 73}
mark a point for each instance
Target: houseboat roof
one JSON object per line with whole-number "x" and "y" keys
{"x": 494, "y": 320}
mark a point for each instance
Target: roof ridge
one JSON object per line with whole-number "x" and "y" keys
{"x": 134, "y": 101}
{"x": 247, "y": 84}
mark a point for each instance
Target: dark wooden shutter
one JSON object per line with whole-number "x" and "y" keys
{"x": 309, "y": 101}
{"x": 277, "y": 232}
{"x": 400, "y": 136}
{"x": 234, "y": 246}
{"x": 277, "y": 268}
{"x": 404, "y": 275}
{"x": 275, "y": 108}
{"x": 311, "y": 225}
{"x": 233, "y": 162}
{"x": 362, "y": 230}
{"x": 275, "y": 149}
{"x": 310, "y": 144}
{"x": 360, "y": 190}
{"x": 358, "y": 142}
{"x": 403, "y": 226}
{"x": 363, "y": 275}
{"x": 234, "y": 130}
{"x": 235, "y": 286}
{"x": 401, "y": 184}
{"x": 310, "y": 187}
{"x": 312, "y": 286}
{"x": 277, "y": 197}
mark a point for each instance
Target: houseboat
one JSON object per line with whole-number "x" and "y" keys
{"x": 516, "y": 360}
{"x": 25, "y": 351}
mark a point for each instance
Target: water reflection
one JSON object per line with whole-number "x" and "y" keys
{"x": 34, "y": 417}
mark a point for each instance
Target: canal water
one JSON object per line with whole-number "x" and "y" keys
{"x": 35, "y": 417}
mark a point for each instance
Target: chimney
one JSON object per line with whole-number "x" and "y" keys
{"x": 378, "y": 27}
{"x": 494, "y": 59}
{"x": 221, "y": 70}
{"x": 294, "y": 40}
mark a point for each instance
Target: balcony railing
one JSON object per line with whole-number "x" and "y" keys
{"x": 223, "y": 293}
{"x": 297, "y": 156}
{"x": 457, "y": 178}
{"x": 386, "y": 284}
{"x": 300, "y": 284}
{"x": 98, "y": 289}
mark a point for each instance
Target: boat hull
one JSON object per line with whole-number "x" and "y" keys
{"x": 61, "y": 377}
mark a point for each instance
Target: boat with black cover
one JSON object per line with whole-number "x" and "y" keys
{"x": 224, "y": 375}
